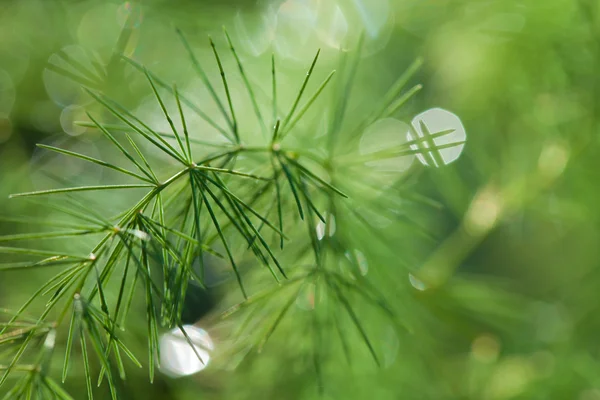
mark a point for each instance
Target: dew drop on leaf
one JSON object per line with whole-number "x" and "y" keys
{"x": 177, "y": 358}
{"x": 358, "y": 258}
{"x": 328, "y": 228}
{"x": 417, "y": 283}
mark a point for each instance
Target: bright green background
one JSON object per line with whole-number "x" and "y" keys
{"x": 519, "y": 316}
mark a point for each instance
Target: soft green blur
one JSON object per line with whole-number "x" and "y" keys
{"x": 498, "y": 287}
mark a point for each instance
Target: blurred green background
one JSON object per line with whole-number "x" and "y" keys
{"x": 507, "y": 308}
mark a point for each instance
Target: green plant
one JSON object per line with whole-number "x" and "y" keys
{"x": 218, "y": 199}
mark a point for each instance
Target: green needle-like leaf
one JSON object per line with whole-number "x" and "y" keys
{"x": 161, "y": 143}
{"x": 69, "y": 345}
{"x": 226, "y": 87}
{"x": 247, "y": 84}
{"x": 184, "y": 100}
{"x": 314, "y": 177}
{"x": 86, "y": 366}
{"x": 80, "y": 189}
{"x": 289, "y": 176}
{"x": 205, "y": 79}
{"x": 119, "y": 146}
{"x": 301, "y": 91}
{"x": 355, "y": 320}
{"x": 306, "y": 106}
{"x": 166, "y": 113}
{"x": 183, "y": 123}
{"x": 229, "y": 171}
{"x": 277, "y": 321}
{"x": 275, "y": 136}
{"x": 402, "y": 100}
{"x": 224, "y": 241}
{"x": 95, "y": 161}
{"x": 47, "y": 235}
{"x": 274, "y": 87}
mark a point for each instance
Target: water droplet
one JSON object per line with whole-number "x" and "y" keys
{"x": 417, "y": 283}
{"x": 328, "y": 228}
{"x": 358, "y": 258}
{"x": 177, "y": 358}
{"x": 440, "y": 130}
{"x": 50, "y": 339}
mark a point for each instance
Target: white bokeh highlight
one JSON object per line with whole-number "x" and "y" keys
{"x": 178, "y": 358}
{"x": 385, "y": 134}
{"x": 438, "y": 120}
{"x": 295, "y": 28}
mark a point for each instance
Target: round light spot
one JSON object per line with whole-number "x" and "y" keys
{"x": 381, "y": 143}
{"x": 358, "y": 259}
{"x": 374, "y": 19}
{"x": 510, "y": 378}
{"x": 331, "y": 25}
{"x": 256, "y": 34}
{"x": 177, "y": 356}
{"x": 69, "y": 69}
{"x": 294, "y": 36}
{"x": 130, "y": 15}
{"x": 14, "y": 53}
{"x": 484, "y": 211}
{"x": 327, "y": 228}
{"x": 69, "y": 116}
{"x": 439, "y": 136}
{"x": 485, "y": 348}
{"x": 98, "y": 28}
{"x": 553, "y": 160}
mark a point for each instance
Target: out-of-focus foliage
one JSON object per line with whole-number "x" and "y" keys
{"x": 490, "y": 262}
